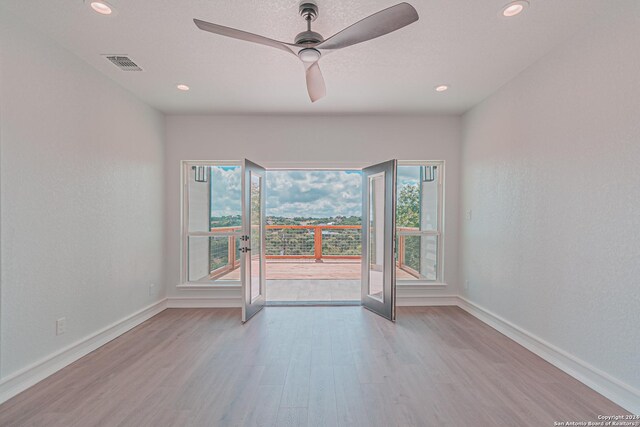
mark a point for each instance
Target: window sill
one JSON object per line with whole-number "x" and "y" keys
{"x": 236, "y": 285}
{"x": 420, "y": 284}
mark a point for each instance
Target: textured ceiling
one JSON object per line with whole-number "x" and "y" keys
{"x": 464, "y": 43}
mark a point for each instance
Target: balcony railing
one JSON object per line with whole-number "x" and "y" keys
{"x": 308, "y": 242}
{"x": 313, "y": 242}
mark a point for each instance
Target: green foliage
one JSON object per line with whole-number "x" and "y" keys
{"x": 408, "y": 215}
{"x": 226, "y": 221}
{"x": 408, "y": 208}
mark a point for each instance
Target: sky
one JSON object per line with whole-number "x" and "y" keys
{"x": 294, "y": 193}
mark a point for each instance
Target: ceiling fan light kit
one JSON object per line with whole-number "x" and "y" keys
{"x": 310, "y": 46}
{"x": 309, "y": 55}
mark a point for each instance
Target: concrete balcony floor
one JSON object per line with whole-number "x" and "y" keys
{"x": 302, "y": 280}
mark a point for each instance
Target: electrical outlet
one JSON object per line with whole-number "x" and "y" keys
{"x": 61, "y": 326}
{"x": 469, "y": 215}
{"x": 152, "y": 289}
{"x": 466, "y": 285}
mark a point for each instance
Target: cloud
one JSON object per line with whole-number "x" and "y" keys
{"x": 313, "y": 193}
{"x": 226, "y": 192}
{"x": 299, "y": 193}
{"x": 408, "y": 175}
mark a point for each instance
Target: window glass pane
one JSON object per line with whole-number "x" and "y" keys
{"x": 213, "y": 258}
{"x": 417, "y": 200}
{"x": 226, "y": 196}
{"x": 429, "y": 198}
{"x": 416, "y": 257}
{"x": 199, "y": 184}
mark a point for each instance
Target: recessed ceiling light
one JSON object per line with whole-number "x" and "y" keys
{"x": 101, "y": 7}
{"x": 441, "y": 88}
{"x": 183, "y": 87}
{"x": 514, "y": 8}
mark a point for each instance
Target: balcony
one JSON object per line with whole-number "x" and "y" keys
{"x": 306, "y": 252}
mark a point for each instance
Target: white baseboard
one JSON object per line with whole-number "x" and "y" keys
{"x": 26, "y": 377}
{"x": 204, "y": 302}
{"x": 224, "y": 302}
{"x": 420, "y": 300}
{"x": 611, "y": 388}
{"x": 230, "y": 297}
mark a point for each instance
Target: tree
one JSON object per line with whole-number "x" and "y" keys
{"x": 408, "y": 209}
{"x": 408, "y": 215}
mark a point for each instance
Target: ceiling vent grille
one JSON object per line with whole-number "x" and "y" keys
{"x": 123, "y": 62}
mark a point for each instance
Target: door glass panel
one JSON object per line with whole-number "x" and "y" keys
{"x": 256, "y": 236}
{"x": 375, "y": 226}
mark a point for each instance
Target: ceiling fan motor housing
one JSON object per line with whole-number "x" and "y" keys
{"x": 308, "y": 37}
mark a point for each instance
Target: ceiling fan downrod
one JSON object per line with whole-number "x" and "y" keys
{"x": 309, "y": 11}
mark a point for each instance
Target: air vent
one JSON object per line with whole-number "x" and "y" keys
{"x": 123, "y": 62}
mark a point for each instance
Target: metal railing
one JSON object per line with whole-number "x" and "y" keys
{"x": 308, "y": 242}
{"x": 313, "y": 242}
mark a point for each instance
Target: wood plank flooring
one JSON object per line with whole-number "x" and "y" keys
{"x": 308, "y": 366}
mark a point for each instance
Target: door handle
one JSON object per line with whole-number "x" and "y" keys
{"x": 243, "y": 250}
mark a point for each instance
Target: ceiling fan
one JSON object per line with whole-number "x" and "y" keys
{"x": 310, "y": 46}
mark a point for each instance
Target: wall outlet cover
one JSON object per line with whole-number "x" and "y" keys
{"x": 61, "y": 326}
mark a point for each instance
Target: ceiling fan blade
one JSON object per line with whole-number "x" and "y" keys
{"x": 241, "y": 35}
{"x": 376, "y": 25}
{"x": 315, "y": 82}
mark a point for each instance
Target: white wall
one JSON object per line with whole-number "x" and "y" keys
{"x": 81, "y": 198}
{"x": 323, "y": 140}
{"x": 551, "y": 173}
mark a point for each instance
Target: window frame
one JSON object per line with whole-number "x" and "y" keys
{"x": 439, "y": 232}
{"x": 186, "y": 166}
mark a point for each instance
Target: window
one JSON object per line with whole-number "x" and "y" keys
{"x": 212, "y": 222}
{"x": 419, "y": 221}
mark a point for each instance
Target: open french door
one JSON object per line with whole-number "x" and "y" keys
{"x": 253, "y": 239}
{"x": 378, "y": 238}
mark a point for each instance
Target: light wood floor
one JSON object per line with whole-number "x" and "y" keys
{"x": 315, "y": 366}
